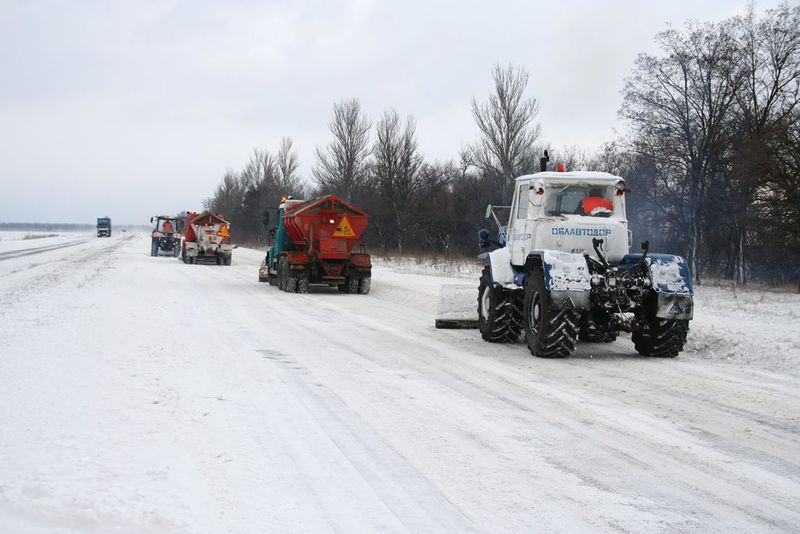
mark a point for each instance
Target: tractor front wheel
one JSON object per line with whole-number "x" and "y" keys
{"x": 549, "y": 333}
{"x": 499, "y": 313}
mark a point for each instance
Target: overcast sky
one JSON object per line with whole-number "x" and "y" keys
{"x": 134, "y": 108}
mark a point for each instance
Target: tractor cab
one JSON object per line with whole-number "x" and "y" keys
{"x": 165, "y": 236}
{"x": 567, "y": 211}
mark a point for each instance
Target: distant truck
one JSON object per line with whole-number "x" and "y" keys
{"x": 103, "y": 227}
{"x": 165, "y": 236}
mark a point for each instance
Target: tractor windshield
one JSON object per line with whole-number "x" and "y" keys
{"x": 166, "y": 225}
{"x": 580, "y": 199}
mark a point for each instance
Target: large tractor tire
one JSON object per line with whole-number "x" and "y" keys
{"x": 154, "y": 248}
{"x": 663, "y": 338}
{"x": 176, "y": 250}
{"x": 227, "y": 260}
{"x": 499, "y": 312}
{"x": 549, "y": 333}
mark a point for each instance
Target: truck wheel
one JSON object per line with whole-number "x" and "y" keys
{"x": 495, "y": 312}
{"x": 282, "y": 273}
{"x": 302, "y": 284}
{"x": 549, "y": 333}
{"x": 291, "y": 284}
{"x": 364, "y": 285}
{"x": 663, "y": 338}
{"x": 352, "y": 285}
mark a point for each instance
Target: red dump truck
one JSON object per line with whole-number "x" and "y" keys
{"x": 313, "y": 244}
{"x": 207, "y": 238}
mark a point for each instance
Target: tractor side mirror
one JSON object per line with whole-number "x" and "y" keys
{"x": 483, "y": 238}
{"x": 488, "y": 212}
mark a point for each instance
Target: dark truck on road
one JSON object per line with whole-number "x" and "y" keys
{"x": 103, "y": 227}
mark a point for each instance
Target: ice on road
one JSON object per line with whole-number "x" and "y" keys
{"x": 142, "y": 395}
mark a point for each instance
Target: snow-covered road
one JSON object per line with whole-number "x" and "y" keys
{"x": 140, "y": 394}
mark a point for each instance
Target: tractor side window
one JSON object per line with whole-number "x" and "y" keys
{"x": 522, "y": 202}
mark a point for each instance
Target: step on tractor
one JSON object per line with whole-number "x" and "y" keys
{"x": 561, "y": 271}
{"x": 165, "y": 236}
{"x": 312, "y": 243}
{"x": 207, "y": 239}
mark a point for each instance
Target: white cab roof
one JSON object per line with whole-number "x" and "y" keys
{"x": 576, "y": 176}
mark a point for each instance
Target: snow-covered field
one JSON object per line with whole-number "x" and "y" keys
{"x": 142, "y": 395}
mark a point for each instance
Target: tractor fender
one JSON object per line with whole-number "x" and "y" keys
{"x": 671, "y": 282}
{"x": 499, "y": 262}
{"x": 566, "y": 276}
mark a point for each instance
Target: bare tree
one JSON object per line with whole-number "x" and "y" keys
{"x": 397, "y": 167}
{"x": 508, "y": 129}
{"x": 769, "y": 51}
{"x": 287, "y": 164}
{"x": 340, "y": 168}
{"x": 678, "y": 105}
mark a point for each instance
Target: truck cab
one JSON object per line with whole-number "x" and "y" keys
{"x": 103, "y": 227}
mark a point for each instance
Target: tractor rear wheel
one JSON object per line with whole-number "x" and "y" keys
{"x": 498, "y": 311}
{"x": 549, "y": 333}
{"x": 154, "y": 248}
{"x": 662, "y": 338}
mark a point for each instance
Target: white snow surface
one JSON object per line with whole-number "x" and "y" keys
{"x": 142, "y": 395}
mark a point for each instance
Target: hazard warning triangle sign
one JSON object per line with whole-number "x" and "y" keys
{"x": 223, "y": 231}
{"x": 344, "y": 229}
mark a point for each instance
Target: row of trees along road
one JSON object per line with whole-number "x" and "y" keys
{"x": 712, "y": 153}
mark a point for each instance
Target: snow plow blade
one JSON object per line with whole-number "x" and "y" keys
{"x": 457, "y": 307}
